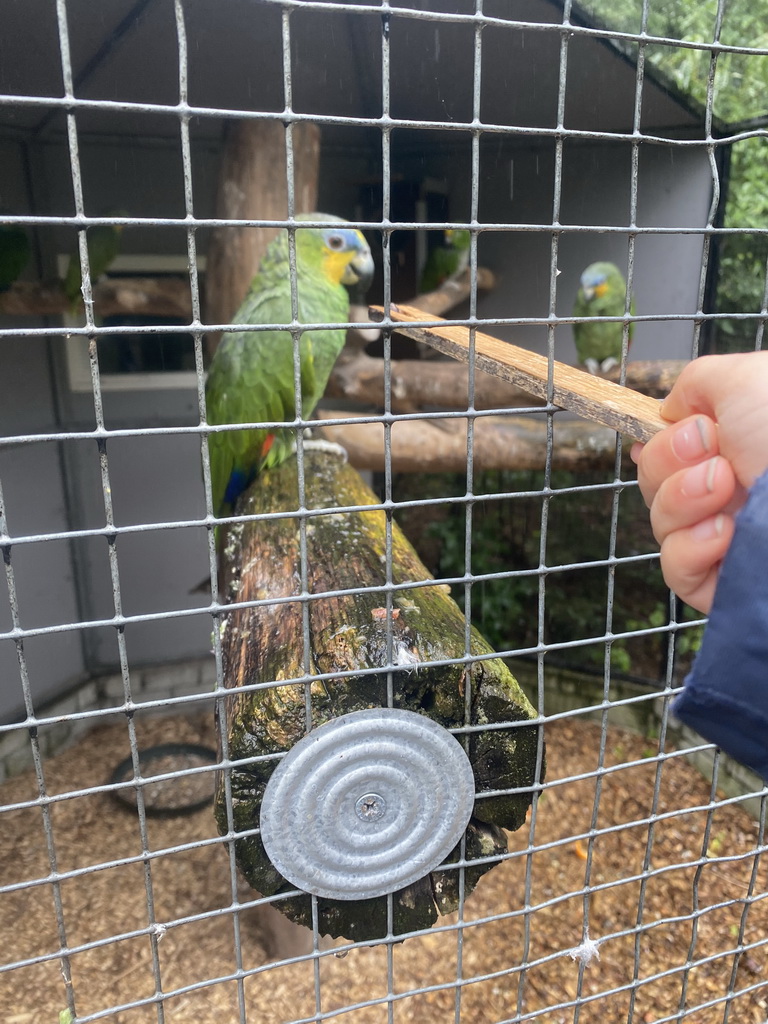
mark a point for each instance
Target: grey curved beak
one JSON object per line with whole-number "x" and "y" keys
{"x": 360, "y": 269}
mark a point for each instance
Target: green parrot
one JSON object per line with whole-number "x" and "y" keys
{"x": 15, "y": 251}
{"x": 602, "y": 292}
{"x": 251, "y": 378}
{"x": 103, "y": 247}
{"x": 446, "y": 262}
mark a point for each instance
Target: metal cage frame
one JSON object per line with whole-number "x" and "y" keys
{"x": 584, "y": 948}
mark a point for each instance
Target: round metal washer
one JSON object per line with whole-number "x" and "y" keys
{"x": 366, "y": 804}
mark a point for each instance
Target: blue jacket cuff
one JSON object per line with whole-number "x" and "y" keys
{"x": 725, "y": 698}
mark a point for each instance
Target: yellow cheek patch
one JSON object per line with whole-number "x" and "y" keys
{"x": 601, "y": 289}
{"x": 335, "y": 263}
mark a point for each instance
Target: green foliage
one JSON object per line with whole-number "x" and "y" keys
{"x": 741, "y": 79}
{"x": 741, "y": 284}
{"x": 506, "y": 536}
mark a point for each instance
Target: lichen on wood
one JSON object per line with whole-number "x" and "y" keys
{"x": 349, "y": 635}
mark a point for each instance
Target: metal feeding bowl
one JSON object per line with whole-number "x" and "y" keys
{"x": 181, "y": 793}
{"x": 367, "y": 804}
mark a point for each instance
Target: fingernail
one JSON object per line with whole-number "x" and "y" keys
{"x": 692, "y": 440}
{"x": 707, "y": 529}
{"x": 700, "y": 480}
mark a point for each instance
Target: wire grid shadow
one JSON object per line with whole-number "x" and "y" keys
{"x": 634, "y": 886}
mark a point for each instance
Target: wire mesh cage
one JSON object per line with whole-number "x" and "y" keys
{"x": 522, "y": 141}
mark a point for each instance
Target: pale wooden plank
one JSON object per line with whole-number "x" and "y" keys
{"x": 591, "y": 397}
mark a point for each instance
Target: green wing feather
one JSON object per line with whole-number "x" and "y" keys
{"x": 251, "y": 378}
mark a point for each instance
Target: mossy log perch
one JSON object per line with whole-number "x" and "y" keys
{"x": 349, "y": 634}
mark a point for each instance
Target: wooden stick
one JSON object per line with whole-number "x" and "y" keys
{"x": 590, "y": 397}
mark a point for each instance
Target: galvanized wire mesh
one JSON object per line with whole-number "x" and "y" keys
{"x": 738, "y": 997}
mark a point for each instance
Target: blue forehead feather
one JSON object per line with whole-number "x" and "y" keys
{"x": 592, "y": 279}
{"x": 350, "y": 236}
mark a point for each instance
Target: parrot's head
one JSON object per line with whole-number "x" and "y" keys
{"x": 598, "y": 278}
{"x": 458, "y": 238}
{"x": 341, "y": 251}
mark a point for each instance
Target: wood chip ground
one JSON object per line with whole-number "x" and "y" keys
{"x": 103, "y": 907}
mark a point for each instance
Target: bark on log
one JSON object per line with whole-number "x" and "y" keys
{"x": 253, "y": 186}
{"x": 500, "y": 442}
{"x": 442, "y": 384}
{"x": 349, "y": 634}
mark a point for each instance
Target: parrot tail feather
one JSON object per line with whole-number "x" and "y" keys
{"x": 236, "y": 484}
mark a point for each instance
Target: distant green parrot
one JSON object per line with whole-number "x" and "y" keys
{"x": 447, "y": 261}
{"x": 103, "y": 247}
{"x": 14, "y": 253}
{"x": 251, "y": 378}
{"x": 602, "y": 292}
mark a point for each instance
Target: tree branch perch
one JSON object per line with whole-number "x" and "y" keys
{"x": 500, "y": 442}
{"x": 443, "y": 383}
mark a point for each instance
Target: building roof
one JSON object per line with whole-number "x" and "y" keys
{"x": 126, "y": 52}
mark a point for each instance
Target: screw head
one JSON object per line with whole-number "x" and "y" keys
{"x": 371, "y": 807}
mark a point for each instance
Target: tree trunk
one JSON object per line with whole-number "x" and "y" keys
{"x": 351, "y": 634}
{"x": 253, "y": 186}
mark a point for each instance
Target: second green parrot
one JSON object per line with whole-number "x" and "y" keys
{"x": 103, "y": 247}
{"x": 15, "y": 251}
{"x": 251, "y": 379}
{"x": 446, "y": 261}
{"x": 602, "y": 292}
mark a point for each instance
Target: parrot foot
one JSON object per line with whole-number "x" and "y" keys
{"x": 359, "y": 314}
{"x": 330, "y": 447}
{"x": 608, "y": 364}
{"x": 592, "y": 365}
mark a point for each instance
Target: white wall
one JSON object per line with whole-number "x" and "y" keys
{"x": 34, "y": 493}
{"x": 674, "y": 190}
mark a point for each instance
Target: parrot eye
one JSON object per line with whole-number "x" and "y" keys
{"x": 335, "y": 242}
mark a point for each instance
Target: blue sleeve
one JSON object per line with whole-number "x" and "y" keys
{"x": 725, "y": 698}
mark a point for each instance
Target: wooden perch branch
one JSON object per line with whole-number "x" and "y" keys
{"x": 500, "y": 442}
{"x": 443, "y": 384}
{"x": 138, "y": 296}
{"x": 169, "y": 296}
{"x": 451, "y": 293}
